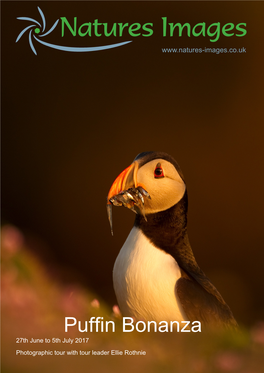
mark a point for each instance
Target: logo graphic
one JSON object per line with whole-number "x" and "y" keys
{"x": 37, "y": 31}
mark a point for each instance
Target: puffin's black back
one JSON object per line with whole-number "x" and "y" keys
{"x": 167, "y": 230}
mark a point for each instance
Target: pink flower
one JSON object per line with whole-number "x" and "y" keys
{"x": 71, "y": 300}
{"x": 228, "y": 361}
{"x": 12, "y": 239}
{"x": 95, "y": 303}
{"x": 116, "y": 311}
{"x": 257, "y": 333}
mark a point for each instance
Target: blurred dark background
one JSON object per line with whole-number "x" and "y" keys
{"x": 71, "y": 122}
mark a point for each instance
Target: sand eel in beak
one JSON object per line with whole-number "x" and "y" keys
{"x": 156, "y": 277}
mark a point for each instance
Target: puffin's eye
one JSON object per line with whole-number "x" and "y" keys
{"x": 158, "y": 172}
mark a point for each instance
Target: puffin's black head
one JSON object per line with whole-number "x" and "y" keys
{"x": 146, "y": 157}
{"x": 157, "y": 173}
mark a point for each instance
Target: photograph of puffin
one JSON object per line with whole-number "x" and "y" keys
{"x": 155, "y": 275}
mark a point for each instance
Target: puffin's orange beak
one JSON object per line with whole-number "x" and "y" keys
{"x": 127, "y": 179}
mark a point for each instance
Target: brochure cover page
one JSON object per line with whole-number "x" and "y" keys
{"x": 121, "y": 122}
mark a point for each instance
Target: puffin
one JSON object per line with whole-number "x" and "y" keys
{"x": 155, "y": 275}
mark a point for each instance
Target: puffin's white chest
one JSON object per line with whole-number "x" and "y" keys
{"x": 145, "y": 279}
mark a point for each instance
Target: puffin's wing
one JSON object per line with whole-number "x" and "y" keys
{"x": 199, "y": 305}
